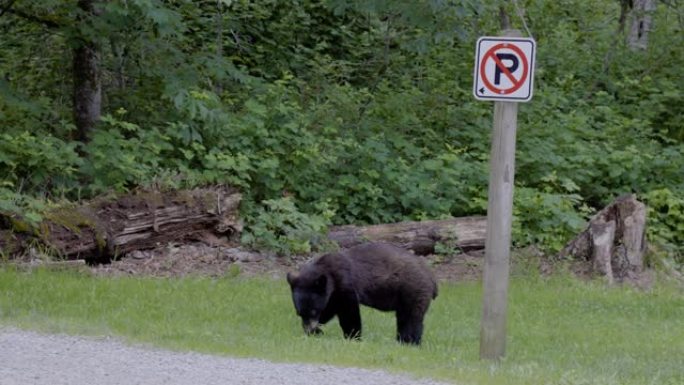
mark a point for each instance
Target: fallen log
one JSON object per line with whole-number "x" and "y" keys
{"x": 614, "y": 241}
{"x": 105, "y": 228}
{"x": 465, "y": 233}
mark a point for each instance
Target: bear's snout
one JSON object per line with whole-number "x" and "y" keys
{"x": 311, "y": 327}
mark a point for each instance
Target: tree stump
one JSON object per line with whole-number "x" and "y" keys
{"x": 614, "y": 241}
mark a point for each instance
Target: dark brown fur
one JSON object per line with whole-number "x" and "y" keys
{"x": 379, "y": 275}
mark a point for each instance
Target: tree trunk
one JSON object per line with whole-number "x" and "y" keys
{"x": 87, "y": 85}
{"x": 642, "y": 24}
{"x": 465, "y": 233}
{"x": 614, "y": 241}
{"x": 218, "y": 87}
{"x": 104, "y": 229}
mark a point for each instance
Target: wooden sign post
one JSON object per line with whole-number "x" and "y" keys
{"x": 503, "y": 73}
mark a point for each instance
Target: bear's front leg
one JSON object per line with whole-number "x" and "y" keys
{"x": 349, "y": 315}
{"x": 409, "y": 327}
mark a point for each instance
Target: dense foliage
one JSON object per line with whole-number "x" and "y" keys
{"x": 344, "y": 111}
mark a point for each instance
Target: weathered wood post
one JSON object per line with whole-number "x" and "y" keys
{"x": 498, "y": 240}
{"x": 503, "y": 73}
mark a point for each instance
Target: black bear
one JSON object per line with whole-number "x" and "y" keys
{"x": 379, "y": 275}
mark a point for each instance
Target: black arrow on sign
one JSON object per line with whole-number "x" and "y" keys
{"x": 481, "y": 90}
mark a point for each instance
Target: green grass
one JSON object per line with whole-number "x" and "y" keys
{"x": 560, "y": 331}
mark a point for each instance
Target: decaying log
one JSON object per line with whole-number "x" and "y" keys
{"x": 105, "y": 228}
{"x": 465, "y": 233}
{"x": 11, "y": 243}
{"x": 614, "y": 241}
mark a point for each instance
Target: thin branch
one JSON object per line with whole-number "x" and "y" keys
{"x": 625, "y": 6}
{"x": 521, "y": 15}
{"x": 46, "y": 22}
{"x": 218, "y": 88}
{"x": 7, "y": 7}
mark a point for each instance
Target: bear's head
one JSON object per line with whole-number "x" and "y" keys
{"x": 311, "y": 290}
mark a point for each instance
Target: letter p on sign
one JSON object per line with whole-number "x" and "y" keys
{"x": 504, "y": 69}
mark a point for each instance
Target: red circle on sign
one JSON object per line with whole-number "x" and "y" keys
{"x": 517, "y": 83}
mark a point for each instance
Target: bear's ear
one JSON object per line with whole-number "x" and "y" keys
{"x": 292, "y": 278}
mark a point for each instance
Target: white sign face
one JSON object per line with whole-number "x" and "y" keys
{"x": 504, "y": 69}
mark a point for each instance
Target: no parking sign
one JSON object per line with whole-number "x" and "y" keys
{"x": 504, "y": 72}
{"x": 504, "y": 69}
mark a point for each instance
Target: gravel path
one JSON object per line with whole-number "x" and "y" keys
{"x": 28, "y": 358}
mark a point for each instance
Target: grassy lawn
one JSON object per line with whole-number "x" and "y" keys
{"x": 560, "y": 331}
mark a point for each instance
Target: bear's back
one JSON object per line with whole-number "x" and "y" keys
{"x": 383, "y": 274}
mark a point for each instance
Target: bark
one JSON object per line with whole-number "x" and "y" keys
{"x": 87, "y": 84}
{"x": 614, "y": 241}
{"x": 642, "y": 24}
{"x": 104, "y": 229}
{"x": 504, "y": 20}
{"x": 603, "y": 236}
{"x": 465, "y": 233}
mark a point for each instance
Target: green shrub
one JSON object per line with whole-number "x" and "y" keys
{"x": 278, "y": 225}
{"x": 122, "y": 155}
{"x": 547, "y": 219}
{"x": 25, "y": 210}
{"x": 37, "y": 163}
{"x": 666, "y": 222}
